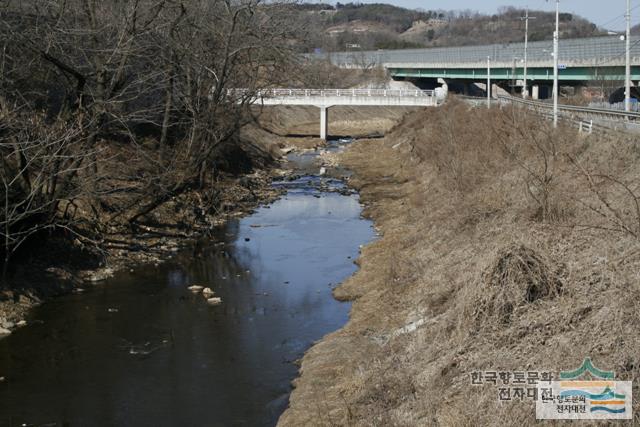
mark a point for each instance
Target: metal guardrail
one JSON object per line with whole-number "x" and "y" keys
{"x": 586, "y": 119}
{"x": 635, "y": 106}
{"x": 266, "y": 93}
{"x": 599, "y": 112}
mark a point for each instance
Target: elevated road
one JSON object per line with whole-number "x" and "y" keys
{"x": 580, "y": 60}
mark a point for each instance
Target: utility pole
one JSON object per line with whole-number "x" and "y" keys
{"x": 488, "y": 82}
{"x": 513, "y": 76}
{"x": 627, "y": 89}
{"x": 556, "y": 36}
{"x": 525, "y": 18}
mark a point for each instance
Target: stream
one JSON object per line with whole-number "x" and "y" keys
{"x": 141, "y": 349}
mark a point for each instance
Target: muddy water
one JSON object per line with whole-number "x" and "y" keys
{"x": 142, "y": 350}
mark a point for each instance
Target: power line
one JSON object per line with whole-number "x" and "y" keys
{"x": 618, "y": 17}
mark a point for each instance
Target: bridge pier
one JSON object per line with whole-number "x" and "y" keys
{"x": 535, "y": 92}
{"x": 324, "y": 122}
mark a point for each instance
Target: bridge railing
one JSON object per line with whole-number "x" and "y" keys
{"x": 312, "y": 93}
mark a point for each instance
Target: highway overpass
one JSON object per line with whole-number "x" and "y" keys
{"x": 596, "y": 59}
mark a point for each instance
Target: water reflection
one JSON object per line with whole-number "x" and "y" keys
{"x": 142, "y": 350}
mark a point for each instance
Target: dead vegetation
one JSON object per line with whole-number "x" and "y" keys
{"x": 519, "y": 276}
{"x": 304, "y": 121}
{"x": 506, "y": 245}
{"x": 109, "y": 111}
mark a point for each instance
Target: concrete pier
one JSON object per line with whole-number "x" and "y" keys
{"x": 324, "y": 122}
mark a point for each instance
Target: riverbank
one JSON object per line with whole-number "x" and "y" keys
{"x": 60, "y": 266}
{"x": 146, "y": 333}
{"x": 506, "y": 246}
{"x": 64, "y": 265}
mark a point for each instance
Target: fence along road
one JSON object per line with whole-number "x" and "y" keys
{"x": 585, "y": 118}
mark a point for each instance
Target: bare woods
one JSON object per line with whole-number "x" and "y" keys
{"x": 110, "y": 109}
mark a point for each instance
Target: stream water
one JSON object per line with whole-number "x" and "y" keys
{"x": 140, "y": 349}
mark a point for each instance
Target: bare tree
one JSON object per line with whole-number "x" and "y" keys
{"x": 86, "y": 84}
{"x": 38, "y": 167}
{"x": 520, "y": 142}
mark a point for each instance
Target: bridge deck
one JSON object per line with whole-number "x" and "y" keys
{"x": 331, "y": 97}
{"x": 593, "y": 51}
{"x": 595, "y": 58}
{"x": 479, "y": 72}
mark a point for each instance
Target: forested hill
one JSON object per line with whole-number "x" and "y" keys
{"x": 383, "y": 26}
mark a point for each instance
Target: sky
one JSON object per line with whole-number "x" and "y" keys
{"x": 608, "y": 14}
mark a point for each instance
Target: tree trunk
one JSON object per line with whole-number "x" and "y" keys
{"x": 168, "y": 105}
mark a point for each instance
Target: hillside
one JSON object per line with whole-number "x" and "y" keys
{"x": 383, "y": 26}
{"x": 505, "y": 27}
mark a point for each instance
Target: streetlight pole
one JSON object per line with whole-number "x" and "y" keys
{"x": 488, "y": 82}
{"x": 556, "y": 36}
{"x": 525, "y": 90}
{"x": 627, "y": 89}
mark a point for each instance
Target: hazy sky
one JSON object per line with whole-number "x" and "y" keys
{"x": 606, "y": 13}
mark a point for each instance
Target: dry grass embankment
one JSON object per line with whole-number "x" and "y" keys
{"x": 506, "y": 246}
{"x": 343, "y": 120}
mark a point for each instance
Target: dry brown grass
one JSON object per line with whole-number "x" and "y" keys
{"x": 502, "y": 248}
{"x": 517, "y": 277}
{"x": 343, "y": 120}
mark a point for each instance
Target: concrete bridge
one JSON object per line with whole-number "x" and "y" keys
{"x": 595, "y": 59}
{"x": 326, "y": 98}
